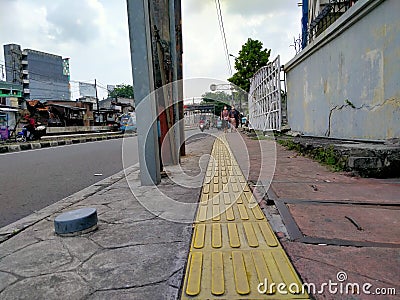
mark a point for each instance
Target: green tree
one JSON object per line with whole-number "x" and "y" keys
{"x": 122, "y": 91}
{"x": 219, "y": 98}
{"x": 251, "y": 57}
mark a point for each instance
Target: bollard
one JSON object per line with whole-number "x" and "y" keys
{"x": 76, "y": 222}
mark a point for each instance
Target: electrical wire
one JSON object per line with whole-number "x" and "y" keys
{"x": 222, "y": 30}
{"x": 51, "y": 80}
{"x": 47, "y": 76}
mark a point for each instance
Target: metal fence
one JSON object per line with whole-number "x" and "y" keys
{"x": 327, "y": 16}
{"x": 312, "y": 26}
{"x": 265, "y": 98}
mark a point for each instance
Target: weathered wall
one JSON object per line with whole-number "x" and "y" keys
{"x": 346, "y": 83}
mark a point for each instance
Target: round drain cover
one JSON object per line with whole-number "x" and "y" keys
{"x": 76, "y": 221}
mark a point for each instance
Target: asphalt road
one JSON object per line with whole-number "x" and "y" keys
{"x": 31, "y": 180}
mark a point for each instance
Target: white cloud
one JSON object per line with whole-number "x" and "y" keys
{"x": 273, "y": 22}
{"x": 94, "y": 33}
{"x": 80, "y": 24}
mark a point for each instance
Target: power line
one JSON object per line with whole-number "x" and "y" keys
{"x": 222, "y": 30}
{"x": 46, "y": 76}
{"x": 52, "y": 81}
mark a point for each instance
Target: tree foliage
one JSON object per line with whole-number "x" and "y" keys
{"x": 251, "y": 57}
{"x": 122, "y": 91}
{"x": 219, "y": 98}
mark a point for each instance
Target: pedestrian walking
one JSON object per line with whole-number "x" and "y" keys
{"x": 225, "y": 118}
{"x": 234, "y": 117}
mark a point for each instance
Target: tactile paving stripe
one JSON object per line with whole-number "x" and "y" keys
{"x": 223, "y": 209}
{"x": 233, "y": 248}
{"x": 231, "y": 236}
{"x": 237, "y": 274}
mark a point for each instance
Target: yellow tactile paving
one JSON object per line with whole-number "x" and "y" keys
{"x": 234, "y": 251}
{"x": 243, "y": 235}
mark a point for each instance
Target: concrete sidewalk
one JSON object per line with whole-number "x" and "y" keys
{"x": 329, "y": 223}
{"x": 138, "y": 251}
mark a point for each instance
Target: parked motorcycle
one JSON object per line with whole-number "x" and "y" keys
{"x": 25, "y": 135}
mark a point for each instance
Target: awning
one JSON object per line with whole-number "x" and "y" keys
{"x": 8, "y": 109}
{"x": 67, "y": 106}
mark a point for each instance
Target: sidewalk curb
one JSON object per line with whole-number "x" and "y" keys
{"x": 47, "y": 144}
{"x": 13, "y": 229}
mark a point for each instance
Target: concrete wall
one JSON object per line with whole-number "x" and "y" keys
{"x": 346, "y": 83}
{"x": 75, "y": 129}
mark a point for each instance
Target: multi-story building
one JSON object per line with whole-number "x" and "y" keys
{"x": 44, "y": 76}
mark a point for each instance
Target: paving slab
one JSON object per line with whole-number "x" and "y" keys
{"x": 317, "y": 200}
{"x": 320, "y": 263}
{"x": 329, "y": 221}
{"x": 359, "y": 191}
{"x": 51, "y": 286}
{"x": 138, "y": 250}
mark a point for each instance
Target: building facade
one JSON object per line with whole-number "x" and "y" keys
{"x": 345, "y": 82}
{"x": 318, "y": 15}
{"x": 44, "y": 76}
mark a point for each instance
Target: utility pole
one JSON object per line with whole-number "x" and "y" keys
{"x": 155, "y": 38}
{"x": 143, "y": 78}
{"x": 175, "y": 22}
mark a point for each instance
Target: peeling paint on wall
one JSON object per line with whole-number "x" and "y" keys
{"x": 350, "y": 87}
{"x": 373, "y": 86}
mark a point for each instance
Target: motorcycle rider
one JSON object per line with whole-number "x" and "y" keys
{"x": 30, "y": 127}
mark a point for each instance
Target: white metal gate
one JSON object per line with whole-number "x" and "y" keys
{"x": 265, "y": 98}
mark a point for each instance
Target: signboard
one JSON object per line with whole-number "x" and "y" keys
{"x": 87, "y": 89}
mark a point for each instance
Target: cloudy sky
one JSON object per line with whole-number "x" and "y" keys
{"x": 94, "y": 34}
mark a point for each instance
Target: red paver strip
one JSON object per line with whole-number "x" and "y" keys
{"x": 359, "y": 192}
{"x": 329, "y": 221}
{"x": 300, "y": 178}
{"x": 318, "y": 264}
